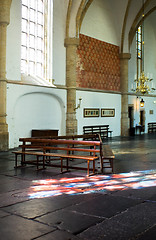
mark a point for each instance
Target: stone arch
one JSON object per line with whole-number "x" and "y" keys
{"x": 124, "y": 26}
{"x": 75, "y": 15}
{"x": 41, "y": 107}
{"x": 136, "y": 24}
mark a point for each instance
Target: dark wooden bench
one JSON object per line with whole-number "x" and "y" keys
{"x": 43, "y": 150}
{"x": 103, "y": 130}
{"x": 151, "y": 127}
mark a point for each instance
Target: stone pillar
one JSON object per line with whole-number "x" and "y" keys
{"x": 71, "y": 75}
{"x": 4, "y": 21}
{"x": 124, "y": 58}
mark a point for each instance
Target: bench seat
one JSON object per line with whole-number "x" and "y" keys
{"x": 65, "y": 149}
{"x": 58, "y": 155}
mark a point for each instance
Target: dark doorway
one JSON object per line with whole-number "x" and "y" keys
{"x": 142, "y": 120}
{"x": 131, "y": 120}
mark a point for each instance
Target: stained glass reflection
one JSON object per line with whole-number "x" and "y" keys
{"x": 92, "y": 184}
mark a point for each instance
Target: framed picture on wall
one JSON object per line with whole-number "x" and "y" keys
{"x": 150, "y": 111}
{"x": 91, "y": 112}
{"x": 107, "y": 112}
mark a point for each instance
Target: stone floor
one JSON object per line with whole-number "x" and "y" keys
{"x": 47, "y": 205}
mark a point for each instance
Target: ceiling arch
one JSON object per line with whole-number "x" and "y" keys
{"x": 130, "y": 10}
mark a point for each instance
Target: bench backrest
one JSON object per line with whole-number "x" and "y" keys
{"x": 153, "y": 124}
{"x": 83, "y": 136}
{"x": 95, "y": 129}
{"x": 61, "y": 144}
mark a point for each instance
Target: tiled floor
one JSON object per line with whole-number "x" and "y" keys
{"x": 118, "y": 206}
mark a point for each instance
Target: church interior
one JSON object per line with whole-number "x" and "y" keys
{"x": 71, "y": 68}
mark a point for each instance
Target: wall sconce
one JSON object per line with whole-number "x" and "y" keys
{"x": 142, "y": 103}
{"x": 79, "y": 104}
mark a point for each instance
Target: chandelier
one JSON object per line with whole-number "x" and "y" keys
{"x": 142, "y": 83}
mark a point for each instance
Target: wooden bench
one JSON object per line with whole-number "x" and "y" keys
{"x": 151, "y": 127}
{"x": 107, "y": 157}
{"x": 43, "y": 150}
{"x": 102, "y": 130}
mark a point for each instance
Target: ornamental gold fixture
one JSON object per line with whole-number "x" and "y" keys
{"x": 142, "y": 84}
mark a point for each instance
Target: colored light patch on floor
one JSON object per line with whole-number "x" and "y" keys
{"x": 92, "y": 184}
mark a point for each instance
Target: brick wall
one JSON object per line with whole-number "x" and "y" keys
{"x": 98, "y": 65}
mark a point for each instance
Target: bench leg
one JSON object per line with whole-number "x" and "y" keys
{"x": 111, "y": 163}
{"x": 61, "y": 165}
{"x": 22, "y": 159}
{"x": 43, "y": 162}
{"x": 101, "y": 165}
{"x": 93, "y": 166}
{"x": 16, "y": 160}
{"x": 67, "y": 164}
{"x": 37, "y": 161}
{"x": 87, "y": 168}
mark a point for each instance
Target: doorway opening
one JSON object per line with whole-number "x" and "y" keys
{"x": 131, "y": 120}
{"x": 142, "y": 120}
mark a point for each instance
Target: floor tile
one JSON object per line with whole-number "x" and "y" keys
{"x": 59, "y": 235}
{"x": 105, "y": 206}
{"x": 69, "y": 221}
{"x": 38, "y": 207}
{"x": 14, "y": 227}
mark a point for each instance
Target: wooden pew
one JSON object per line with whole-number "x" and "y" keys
{"x": 102, "y": 130}
{"x": 44, "y": 149}
{"x": 151, "y": 127}
{"x": 64, "y": 150}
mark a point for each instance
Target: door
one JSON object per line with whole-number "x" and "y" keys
{"x": 142, "y": 120}
{"x": 131, "y": 120}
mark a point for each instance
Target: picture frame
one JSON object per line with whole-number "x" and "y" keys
{"x": 151, "y": 111}
{"x": 107, "y": 112}
{"x": 91, "y": 112}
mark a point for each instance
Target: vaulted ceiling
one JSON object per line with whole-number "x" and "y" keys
{"x": 127, "y": 14}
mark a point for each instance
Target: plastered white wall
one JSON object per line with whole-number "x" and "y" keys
{"x": 99, "y": 23}
{"x": 150, "y": 104}
{"x": 150, "y": 48}
{"x": 30, "y": 107}
{"x": 13, "y": 46}
{"x": 99, "y": 100}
